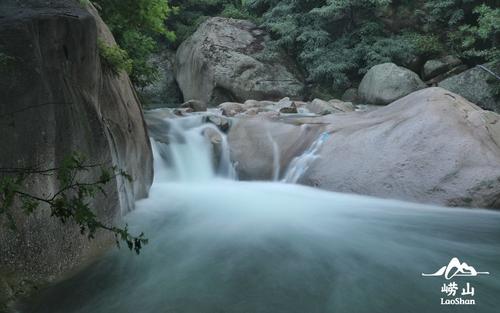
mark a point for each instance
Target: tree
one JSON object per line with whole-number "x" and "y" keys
{"x": 138, "y": 25}
{"x": 70, "y": 202}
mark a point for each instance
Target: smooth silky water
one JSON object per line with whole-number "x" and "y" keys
{"x": 220, "y": 245}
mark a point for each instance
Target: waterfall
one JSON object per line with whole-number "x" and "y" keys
{"x": 220, "y": 245}
{"x": 190, "y": 154}
{"x": 301, "y": 164}
{"x": 276, "y": 157}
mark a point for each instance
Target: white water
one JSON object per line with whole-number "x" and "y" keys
{"x": 218, "y": 245}
{"x": 301, "y": 164}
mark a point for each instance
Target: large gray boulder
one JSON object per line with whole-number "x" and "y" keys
{"x": 385, "y": 83}
{"x": 56, "y": 101}
{"x": 218, "y": 64}
{"x": 432, "y": 146}
{"x": 477, "y": 86}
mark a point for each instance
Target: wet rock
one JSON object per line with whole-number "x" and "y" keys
{"x": 195, "y": 105}
{"x": 231, "y": 109}
{"x": 222, "y": 123}
{"x": 289, "y": 110}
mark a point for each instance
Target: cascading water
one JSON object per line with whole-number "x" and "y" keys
{"x": 219, "y": 245}
{"x": 301, "y": 164}
{"x": 189, "y": 154}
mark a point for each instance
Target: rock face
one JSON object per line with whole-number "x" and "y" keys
{"x": 263, "y": 149}
{"x": 432, "y": 146}
{"x": 477, "y": 86}
{"x": 217, "y": 64}
{"x": 385, "y": 83}
{"x": 164, "y": 92}
{"x": 433, "y": 68}
{"x": 58, "y": 100}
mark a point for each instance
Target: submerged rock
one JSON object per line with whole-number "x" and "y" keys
{"x": 218, "y": 64}
{"x": 385, "y": 83}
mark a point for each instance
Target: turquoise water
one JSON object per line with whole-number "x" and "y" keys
{"x": 220, "y": 245}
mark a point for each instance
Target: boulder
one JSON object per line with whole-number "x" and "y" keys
{"x": 342, "y": 106}
{"x": 454, "y": 71}
{"x": 263, "y": 149}
{"x": 231, "y": 108}
{"x": 56, "y": 101}
{"x": 351, "y": 95}
{"x": 218, "y": 64}
{"x": 433, "y": 68}
{"x": 164, "y": 91}
{"x": 321, "y": 107}
{"x": 222, "y": 123}
{"x": 385, "y": 83}
{"x": 194, "y": 106}
{"x": 432, "y": 146}
{"x": 289, "y": 110}
{"x": 477, "y": 85}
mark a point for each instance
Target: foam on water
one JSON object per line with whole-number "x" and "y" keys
{"x": 219, "y": 245}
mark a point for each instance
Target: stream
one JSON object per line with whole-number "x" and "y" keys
{"x": 218, "y": 245}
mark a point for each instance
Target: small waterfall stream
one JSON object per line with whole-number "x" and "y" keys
{"x": 220, "y": 245}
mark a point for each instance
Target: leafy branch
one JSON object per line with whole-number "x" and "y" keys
{"x": 71, "y": 202}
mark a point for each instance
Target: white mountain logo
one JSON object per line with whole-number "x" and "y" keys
{"x": 456, "y": 268}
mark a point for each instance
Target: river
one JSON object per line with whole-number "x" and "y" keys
{"x": 217, "y": 245}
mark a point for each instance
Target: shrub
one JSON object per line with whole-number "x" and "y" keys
{"x": 114, "y": 59}
{"x": 138, "y": 26}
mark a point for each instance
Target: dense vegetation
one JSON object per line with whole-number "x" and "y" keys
{"x": 138, "y": 26}
{"x": 334, "y": 41}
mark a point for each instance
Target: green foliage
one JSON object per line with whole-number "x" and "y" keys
{"x": 191, "y": 13}
{"x": 336, "y": 41}
{"x": 138, "y": 25}
{"x": 70, "y": 202}
{"x": 114, "y": 58}
{"x": 425, "y": 44}
{"x": 481, "y": 39}
{"x": 470, "y": 28}
{"x": 84, "y": 3}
